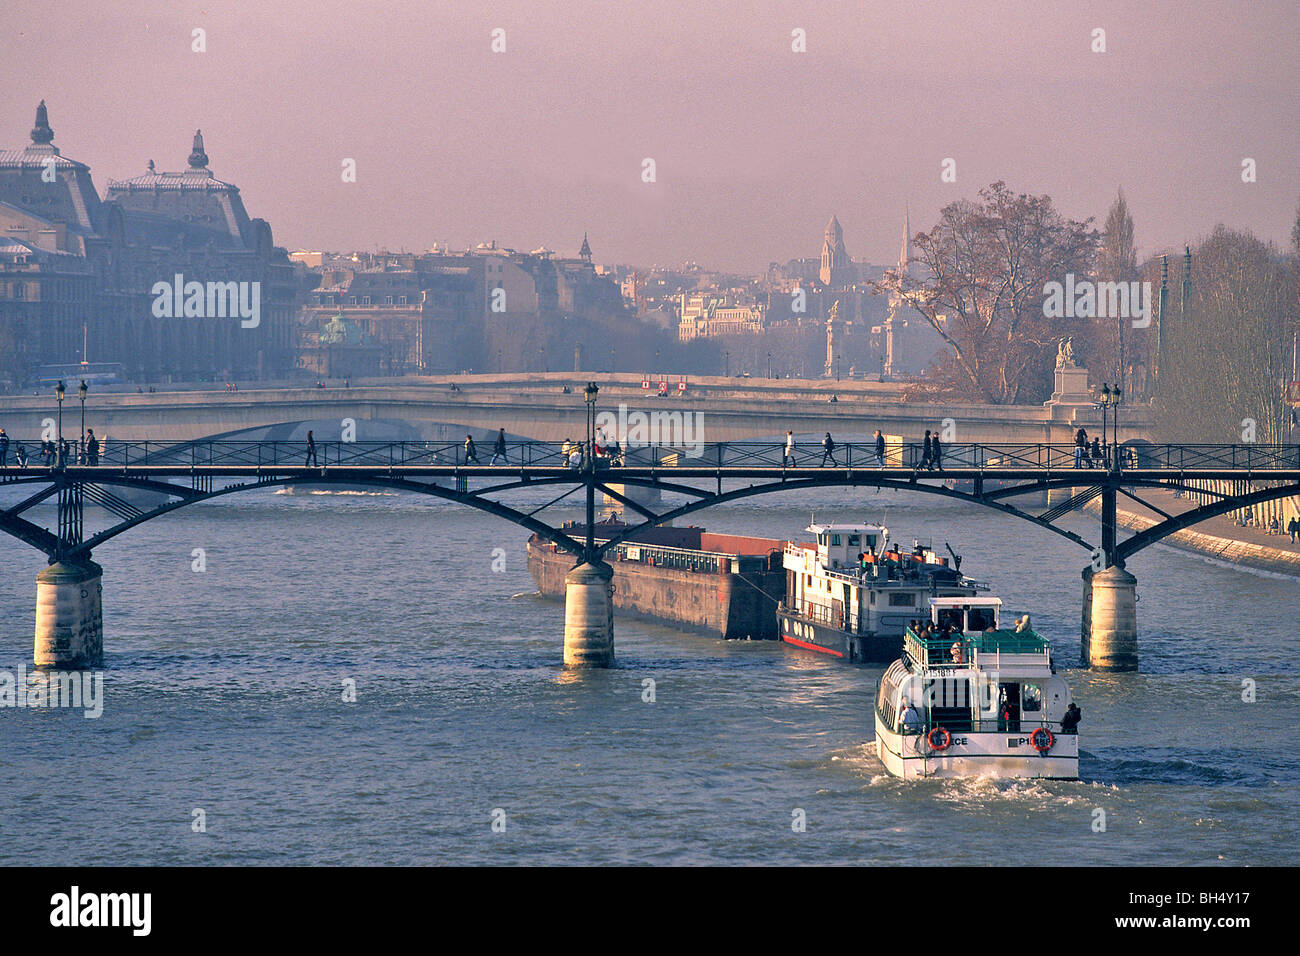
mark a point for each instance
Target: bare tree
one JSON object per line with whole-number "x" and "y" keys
{"x": 1226, "y": 356}
{"x": 984, "y": 268}
{"x": 1105, "y": 348}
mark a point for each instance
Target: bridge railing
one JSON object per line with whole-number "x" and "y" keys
{"x": 808, "y": 454}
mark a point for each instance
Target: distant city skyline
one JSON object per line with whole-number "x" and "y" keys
{"x": 755, "y": 146}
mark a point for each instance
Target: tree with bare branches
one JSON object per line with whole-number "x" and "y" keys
{"x": 980, "y": 285}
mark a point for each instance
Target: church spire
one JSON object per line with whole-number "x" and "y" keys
{"x": 585, "y": 252}
{"x": 42, "y": 134}
{"x": 198, "y": 158}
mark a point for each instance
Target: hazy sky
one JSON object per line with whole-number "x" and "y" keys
{"x": 755, "y": 145}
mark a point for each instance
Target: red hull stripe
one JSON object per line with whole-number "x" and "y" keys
{"x": 812, "y": 647}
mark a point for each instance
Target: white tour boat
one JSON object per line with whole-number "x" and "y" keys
{"x": 969, "y": 698}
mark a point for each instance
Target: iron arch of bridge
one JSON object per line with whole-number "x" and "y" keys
{"x": 40, "y": 538}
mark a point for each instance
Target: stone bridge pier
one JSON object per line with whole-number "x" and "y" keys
{"x": 69, "y": 616}
{"x": 589, "y": 616}
{"x": 1109, "y": 632}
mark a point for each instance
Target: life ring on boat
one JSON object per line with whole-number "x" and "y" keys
{"x": 1037, "y": 741}
{"x": 943, "y": 741}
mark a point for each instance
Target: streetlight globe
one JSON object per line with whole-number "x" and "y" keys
{"x": 82, "y": 389}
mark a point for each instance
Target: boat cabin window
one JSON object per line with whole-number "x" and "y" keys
{"x": 902, "y": 600}
{"x": 855, "y": 540}
{"x": 950, "y": 617}
{"x": 835, "y": 541}
{"x": 1031, "y": 698}
{"x": 871, "y": 541}
{"x": 980, "y": 619}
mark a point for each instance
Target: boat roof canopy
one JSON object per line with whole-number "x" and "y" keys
{"x": 844, "y": 528}
{"x": 962, "y": 600}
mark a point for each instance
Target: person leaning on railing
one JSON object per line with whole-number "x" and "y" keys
{"x": 1070, "y": 721}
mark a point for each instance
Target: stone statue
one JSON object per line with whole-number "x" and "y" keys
{"x": 1065, "y": 354}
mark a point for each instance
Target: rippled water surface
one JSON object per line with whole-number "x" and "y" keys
{"x": 224, "y": 692}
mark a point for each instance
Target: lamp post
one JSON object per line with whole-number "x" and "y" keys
{"x": 1111, "y": 399}
{"x": 769, "y": 364}
{"x": 1105, "y": 407}
{"x": 589, "y": 395}
{"x": 82, "y": 389}
{"x": 1116, "y": 399}
{"x": 726, "y": 357}
{"x": 59, "y": 391}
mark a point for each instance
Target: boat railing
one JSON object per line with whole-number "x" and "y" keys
{"x": 989, "y": 648}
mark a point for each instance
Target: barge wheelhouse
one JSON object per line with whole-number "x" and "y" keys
{"x": 851, "y": 593}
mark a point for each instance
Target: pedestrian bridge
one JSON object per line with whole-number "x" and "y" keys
{"x": 132, "y": 482}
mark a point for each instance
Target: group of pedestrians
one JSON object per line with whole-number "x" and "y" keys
{"x": 51, "y": 454}
{"x": 1088, "y": 453}
{"x": 931, "y": 452}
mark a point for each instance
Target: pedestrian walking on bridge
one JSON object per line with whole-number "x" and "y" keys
{"x": 499, "y": 449}
{"x": 880, "y": 449}
{"x": 789, "y": 450}
{"x": 471, "y": 453}
{"x": 311, "y": 452}
{"x": 828, "y": 451}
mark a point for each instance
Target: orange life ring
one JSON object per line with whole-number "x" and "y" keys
{"x": 1043, "y": 747}
{"x": 943, "y": 736}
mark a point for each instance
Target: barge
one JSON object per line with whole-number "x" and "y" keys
{"x": 726, "y": 585}
{"x": 852, "y": 593}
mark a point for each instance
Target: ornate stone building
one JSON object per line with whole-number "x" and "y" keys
{"x": 92, "y": 266}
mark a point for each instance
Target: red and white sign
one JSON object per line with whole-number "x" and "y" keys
{"x": 681, "y": 386}
{"x": 645, "y": 383}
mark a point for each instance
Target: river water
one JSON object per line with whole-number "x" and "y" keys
{"x": 224, "y": 693}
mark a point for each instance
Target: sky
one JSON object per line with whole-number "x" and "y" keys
{"x": 754, "y": 145}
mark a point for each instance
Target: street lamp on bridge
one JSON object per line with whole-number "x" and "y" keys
{"x": 82, "y": 389}
{"x": 589, "y": 396}
{"x": 59, "y": 391}
{"x": 1111, "y": 399}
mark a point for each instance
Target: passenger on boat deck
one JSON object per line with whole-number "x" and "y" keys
{"x": 1070, "y": 722}
{"x": 958, "y": 652}
{"x": 1022, "y": 624}
{"x": 910, "y": 721}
